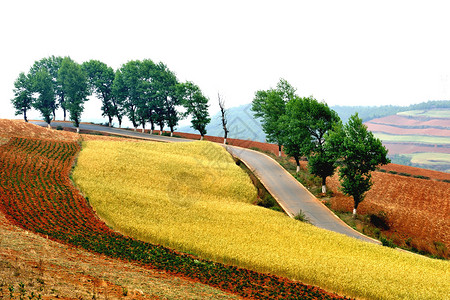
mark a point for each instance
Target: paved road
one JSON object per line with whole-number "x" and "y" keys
{"x": 291, "y": 195}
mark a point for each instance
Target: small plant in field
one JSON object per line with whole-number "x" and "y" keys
{"x": 440, "y": 248}
{"x": 300, "y": 216}
{"x": 387, "y": 242}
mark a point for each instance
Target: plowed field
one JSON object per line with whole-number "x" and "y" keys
{"x": 416, "y": 208}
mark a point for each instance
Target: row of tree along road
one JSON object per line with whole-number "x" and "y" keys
{"x": 148, "y": 92}
{"x": 305, "y": 127}
{"x": 144, "y": 91}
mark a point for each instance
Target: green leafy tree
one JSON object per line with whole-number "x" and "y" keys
{"x": 305, "y": 125}
{"x": 52, "y": 64}
{"x": 270, "y": 106}
{"x": 43, "y": 94}
{"x": 169, "y": 96}
{"x": 129, "y": 90}
{"x": 196, "y": 105}
{"x": 360, "y": 153}
{"x": 23, "y": 98}
{"x": 101, "y": 78}
{"x": 119, "y": 96}
{"x": 74, "y": 83}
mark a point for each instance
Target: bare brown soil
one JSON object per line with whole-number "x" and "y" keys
{"x": 375, "y": 127}
{"x": 416, "y": 121}
{"x": 418, "y": 210}
{"x": 20, "y": 128}
{"x": 403, "y": 148}
{"x": 417, "y": 171}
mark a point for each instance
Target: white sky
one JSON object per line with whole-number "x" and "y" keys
{"x": 343, "y": 52}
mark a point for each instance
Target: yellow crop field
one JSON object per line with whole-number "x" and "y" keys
{"x": 193, "y": 197}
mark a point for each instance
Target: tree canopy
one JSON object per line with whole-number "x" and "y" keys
{"x": 360, "y": 153}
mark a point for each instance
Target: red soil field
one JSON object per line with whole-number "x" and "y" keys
{"x": 404, "y": 148}
{"x": 436, "y": 175}
{"x": 405, "y": 121}
{"x": 20, "y": 128}
{"x": 374, "y": 127}
{"x": 416, "y": 208}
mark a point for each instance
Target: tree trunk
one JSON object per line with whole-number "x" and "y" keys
{"x": 78, "y": 129}
{"x": 110, "y": 121}
{"x": 161, "y": 129}
{"x": 135, "y": 128}
{"x": 354, "y": 213}
{"x": 64, "y": 110}
{"x": 25, "y": 115}
{"x": 225, "y": 141}
{"x": 324, "y": 185}
{"x": 279, "y": 150}
{"x": 48, "y": 126}
{"x": 171, "y": 134}
{"x": 201, "y": 137}
{"x": 297, "y": 161}
{"x": 151, "y": 131}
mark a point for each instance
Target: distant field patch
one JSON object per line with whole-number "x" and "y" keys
{"x": 420, "y": 139}
{"x": 194, "y": 198}
{"x": 430, "y": 113}
{"x": 430, "y": 158}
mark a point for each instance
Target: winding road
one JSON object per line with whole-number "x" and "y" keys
{"x": 289, "y": 193}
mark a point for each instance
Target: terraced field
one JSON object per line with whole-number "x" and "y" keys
{"x": 409, "y": 135}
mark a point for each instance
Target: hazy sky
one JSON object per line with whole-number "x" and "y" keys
{"x": 342, "y": 52}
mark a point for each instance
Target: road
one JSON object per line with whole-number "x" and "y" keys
{"x": 289, "y": 193}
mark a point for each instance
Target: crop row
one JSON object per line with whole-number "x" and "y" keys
{"x": 37, "y": 194}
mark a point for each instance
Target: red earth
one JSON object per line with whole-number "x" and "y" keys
{"x": 376, "y": 127}
{"x": 409, "y": 121}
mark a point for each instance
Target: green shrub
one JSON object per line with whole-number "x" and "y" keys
{"x": 380, "y": 220}
{"x": 421, "y": 177}
{"x": 405, "y": 174}
{"x": 59, "y": 127}
{"x": 300, "y": 216}
{"x": 393, "y": 172}
{"x": 387, "y": 242}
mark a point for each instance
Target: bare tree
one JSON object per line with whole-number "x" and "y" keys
{"x": 224, "y": 117}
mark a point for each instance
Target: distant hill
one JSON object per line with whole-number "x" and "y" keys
{"x": 241, "y": 123}
{"x": 367, "y": 113}
{"x": 417, "y": 135}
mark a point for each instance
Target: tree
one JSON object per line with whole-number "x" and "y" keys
{"x": 52, "y": 64}
{"x": 119, "y": 94}
{"x": 360, "y": 153}
{"x": 196, "y": 106}
{"x": 165, "y": 85}
{"x": 270, "y": 106}
{"x": 23, "y": 99}
{"x": 101, "y": 78}
{"x": 75, "y": 86}
{"x": 223, "y": 112}
{"x": 128, "y": 88}
{"x": 43, "y": 94}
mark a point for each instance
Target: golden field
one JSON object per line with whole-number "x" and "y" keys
{"x": 192, "y": 197}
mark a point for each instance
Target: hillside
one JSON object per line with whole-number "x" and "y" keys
{"x": 419, "y": 138}
{"x": 241, "y": 124}
{"x": 59, "y": 212}
{"x": 416, "y": 135}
